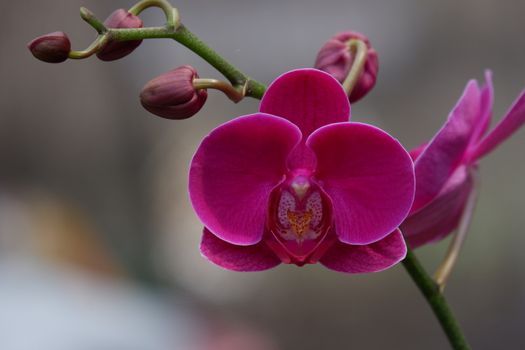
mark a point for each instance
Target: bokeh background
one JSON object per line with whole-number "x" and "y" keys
{"x": 98, "y": 242}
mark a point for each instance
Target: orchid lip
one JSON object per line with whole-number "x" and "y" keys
{"x": 299, "y": 218}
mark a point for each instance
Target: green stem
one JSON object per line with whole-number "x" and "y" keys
{"x": 235, "y": 76}
{"x": 90, "y": 18}
{"x": 192, "y": 42}
{"x": 91, "y": 50}
{"x": 436, "y": 300}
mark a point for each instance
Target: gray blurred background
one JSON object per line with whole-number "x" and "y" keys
{"x": 95, "y": 221}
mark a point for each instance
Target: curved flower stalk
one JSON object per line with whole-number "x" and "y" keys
{"x": 297, "y": 183}
{"x": 445, "y": 167}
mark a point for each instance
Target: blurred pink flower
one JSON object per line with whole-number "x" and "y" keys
{"x": 297, "y": 183}
{"x": 446, "y": 164}
{"x": 115, "y": 50}
{"x": 336, "y": 58}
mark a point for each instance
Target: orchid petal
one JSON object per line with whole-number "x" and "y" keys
{"x": 512, "y": 121}
{"x": 257, "y": 257}
{"x": 447, "y": 149}
{"x": 441, "y": 216}
{"x": 369, "y": 177}
{"x": 233, "y": 172}
{"x": 373, "y": 257}
{"x": 487, "y": 102}
{"x": 309, "y": 98}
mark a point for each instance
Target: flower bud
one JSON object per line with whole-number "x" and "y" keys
{"x": 114, "y": 50}
{"x": 172, "y": 95}
{"x": 52, "y": 48}
{"x": 336, "y": 58}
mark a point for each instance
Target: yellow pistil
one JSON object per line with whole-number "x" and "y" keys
{"x": 299, "y": 222}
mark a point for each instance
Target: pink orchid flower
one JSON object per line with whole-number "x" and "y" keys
{"x": 297, "y": 183}
{"x": 445, "y": 166}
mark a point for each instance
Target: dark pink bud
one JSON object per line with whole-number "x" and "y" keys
{"x": 114, "y": 50}
{"x": 52, "y": 48}
{"x": 335, "y": 58}
{"x": 172, "y": 95}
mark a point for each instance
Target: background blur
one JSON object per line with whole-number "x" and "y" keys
{"x": 98, "y": 242}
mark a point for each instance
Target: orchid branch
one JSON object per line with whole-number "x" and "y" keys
{"x": 172, "y": 30}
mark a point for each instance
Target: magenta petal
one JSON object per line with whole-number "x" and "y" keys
{"x": 486, "y": 104}
{"x": 369, "y": 177}
{"x": 373, "y": 257}
{"x": 447, "y": 149}
{"x": 257, "y": 257}
{"x": 441, "y": 216}
{"x": 507, "y": 126}
{"x": 233, "y": 172}
{"x": 309, "y": 98}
